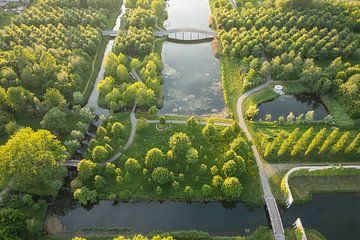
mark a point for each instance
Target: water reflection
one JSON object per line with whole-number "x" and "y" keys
{"x": 297, "y": 104}
{"x": 336, "y": 216}
{"x": 192, "y": 82}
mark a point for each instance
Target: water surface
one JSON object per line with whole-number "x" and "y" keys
{"x": 213, "y": 217}
{"x": 336, "y": 216}
{"x": 297, "y": 104}
{"x": 192, "y": 75}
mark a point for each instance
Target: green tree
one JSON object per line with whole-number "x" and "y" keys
{"x": 161, "y": 175}
{"x": 288, "y": 142}
{"x": 86, "y": 170}
{"x": 340, "y": 143}
{"x": 118, "y": 130}
{"x": 353, "y": 144}
{"x": 232, "y": 187}
{"x": 180, "y": 144}
{"x": 300, "y": 145}
{"x": 33, "y": 162}
{"x": 154, "y": 158}
{"x": 316, "y": 141}
{"x": 53, "y": 98}
{"x": 132, "y": 165}
{"x": 85, "y": 195}
{"x": 99, "y": 153}
{"x": 329, "y": 140}
{"x": 12, "y": 224}
{"x": 55, "y": 120}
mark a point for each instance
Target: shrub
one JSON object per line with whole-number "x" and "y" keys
{"x": 188, "y": 192}
{"x": 217, "y": 181}
{"x": 214, "y": 170}
{"x": 192, "y": 156}
{"x": 203, "y": 168}
{"x": 206, "y": 190}
{"x": 232, "y": 187}
{"x": 132, "y": 165}
{"x": 161, "y": 175}
{"x": 85, "y": 196}
{"x": 154, "y": 158}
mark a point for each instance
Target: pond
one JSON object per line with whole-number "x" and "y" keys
{"x": 143, "y": 217}
{"x": 297, "y": 104}
{"x": 192, "y": 75}
{"x": 336, "y": 216}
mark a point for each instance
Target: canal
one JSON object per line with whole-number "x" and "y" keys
{"x": 192, "y": 75}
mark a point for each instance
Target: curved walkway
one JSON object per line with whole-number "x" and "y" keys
{"x": 270, "y": 201}
{"x": 290, "y": 198}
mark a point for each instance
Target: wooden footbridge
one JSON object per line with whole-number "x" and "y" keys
{"x": 178, "y": 34}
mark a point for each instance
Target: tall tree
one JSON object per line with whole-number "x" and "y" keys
{"x": 33, "y": 162}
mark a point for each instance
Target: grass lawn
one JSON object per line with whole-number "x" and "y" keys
{"x": 139, "y": 186}
{"x": 338, "y": 112}
{"x": 5, "y": 19}
{"x": 231, "y": 82}
{"x": 182, "y": 118}
{"x": 302, "y": 187}
{"x": 272, "y": 130}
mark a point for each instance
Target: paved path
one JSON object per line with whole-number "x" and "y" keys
{"x": 290, "y": 198}
{"x": 233, "y": 3}
{"x": 271, "y": 205}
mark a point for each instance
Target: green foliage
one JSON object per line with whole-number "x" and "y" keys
{"x": 232, "y": 187}
{"x": 132, "y": 166}
{"x": 32, "y": 162}
{"x": 12, "y": 224}
{"x": 161, "y": 175}
{"x": 85, "y": 196}
{"x": 154, "y": 158}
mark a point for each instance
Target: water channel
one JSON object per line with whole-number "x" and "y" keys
{"x": 192, "y": 82}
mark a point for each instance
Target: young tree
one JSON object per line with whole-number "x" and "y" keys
{"x": 232, "y": 187}
{"x": 132, "y": 165}
{"x": 161, "y": 175}
{"x": 290, "y": 118}
{"x": 55, "y": 120}
{"x": 99, "y": 153}
{"x": 300, "y": 145}
{"x": 353, "y": 144}
{"x": 180, "y": 144}
{"x": 288, "y": 142}
{"x": 53, "y": 98}
{"x": 316, "y": 141}
{"x": 154, "y": 158}
{"x": 33, "y": 162}
{"x": 309, "y": 117}
{"x": 329, "y": 140}
{"x": 340, "y": 143}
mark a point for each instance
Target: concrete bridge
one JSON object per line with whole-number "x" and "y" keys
{"x": 178, "y": 34}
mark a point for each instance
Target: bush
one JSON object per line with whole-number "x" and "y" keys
{"x": 161, "y": 175}
{"x": 232, "y": 187}
{"x": 154, "y": 158}
{"x": 206, "y": 190}
{"x": 192, "y": 156}
{"x": 132, "y": 165}
{"x": 188, "y": 192}
{"x": 217, "y": 181}
{"x": 85, "y": 196}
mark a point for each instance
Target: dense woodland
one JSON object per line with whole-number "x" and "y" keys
{"x": 46, "y": 55}
{"x": 296, "y": 40}
{"x": 134, "y": 53}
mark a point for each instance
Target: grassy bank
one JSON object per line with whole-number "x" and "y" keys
{"x": 232, "y": 84}
{"x": 338, "y": 113}
{"x": 261, "y": 233}
{"x": 304, "y": 184}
